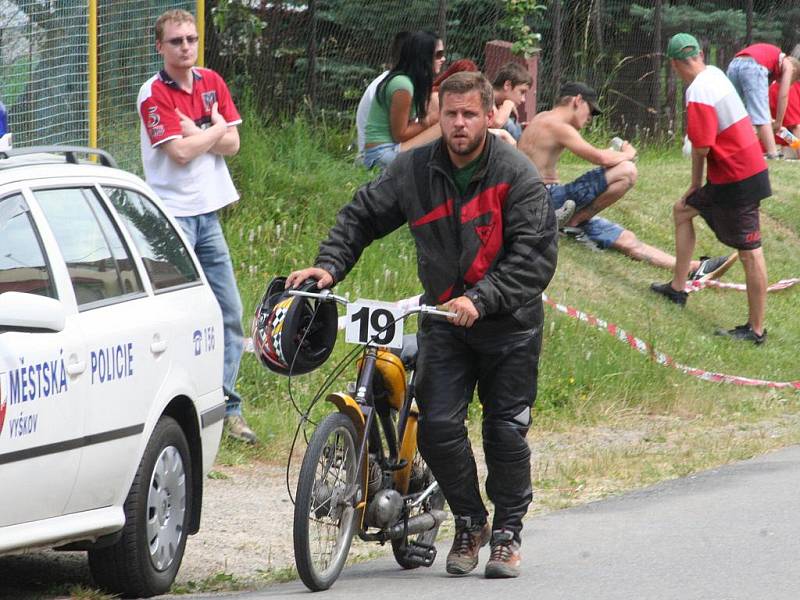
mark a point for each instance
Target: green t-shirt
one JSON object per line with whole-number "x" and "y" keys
{"x": 462, "y": 176}
{"x": 378, "y": 129}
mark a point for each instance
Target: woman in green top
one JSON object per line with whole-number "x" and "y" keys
{"x": 400, "y": 116}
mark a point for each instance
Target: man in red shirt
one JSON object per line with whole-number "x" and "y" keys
{"x": 791, "y": 119}
{"x": 188, "y": 127}
{"x": 751, "y": 71}
{"x": 722, "y": 137}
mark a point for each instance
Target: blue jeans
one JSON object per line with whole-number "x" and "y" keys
{"x": 381, "y": 155}
{"x": 205, "y": 235}
{"x": 751, "y": 81}
{"x": 583, "y": 191}
{"x": 514, "y": 128}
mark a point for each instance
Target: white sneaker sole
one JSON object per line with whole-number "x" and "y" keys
{"x": 722, "y": 269}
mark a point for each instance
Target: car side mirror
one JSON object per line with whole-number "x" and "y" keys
{"x": 30, "y": 312}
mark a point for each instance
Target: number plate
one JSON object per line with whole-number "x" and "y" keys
{"x": 372, "y": 321}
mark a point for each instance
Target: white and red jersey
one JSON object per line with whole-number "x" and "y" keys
{"x": 204, "y": 184}
{"x": 717, "y": 119}
{"x": 768, "y": 56}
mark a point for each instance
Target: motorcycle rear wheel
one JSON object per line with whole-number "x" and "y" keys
{"x": 434, "y": 501}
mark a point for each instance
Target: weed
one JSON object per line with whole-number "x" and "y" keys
{"x": 218, "y": 582}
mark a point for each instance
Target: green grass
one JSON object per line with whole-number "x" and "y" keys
{"x": 294, "y": 179}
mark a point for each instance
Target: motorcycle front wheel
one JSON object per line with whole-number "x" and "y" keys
{"x": 324, "y": 510}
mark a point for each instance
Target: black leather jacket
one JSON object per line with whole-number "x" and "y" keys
{"x": 496, "y": 244}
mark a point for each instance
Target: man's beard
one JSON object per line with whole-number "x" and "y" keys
{"x": 470, "y": 147}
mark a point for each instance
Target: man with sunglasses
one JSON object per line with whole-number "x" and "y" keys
{"x": 188, "y": 127}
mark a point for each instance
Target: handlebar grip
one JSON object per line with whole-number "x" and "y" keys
{"x": 436, "y": 310}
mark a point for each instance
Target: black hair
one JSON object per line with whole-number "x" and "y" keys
{"x": 416, "y": 62}
{"x": 397, "y": 44}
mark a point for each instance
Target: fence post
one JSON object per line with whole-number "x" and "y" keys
{"x": 598, "y": 25}
{"x": 201, "y": 32}
{"x": 656, "y": 91}
{"x": 749, "y": 37}
{"x": 311, "y": 83}
{"x": 441, "y": 22}
{"x": 557, "y": 41}
{"x": 92, "y": 68}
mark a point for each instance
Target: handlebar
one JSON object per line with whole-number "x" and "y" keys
{"x": 329, "y": 296}
{"x": 324, "y": 295}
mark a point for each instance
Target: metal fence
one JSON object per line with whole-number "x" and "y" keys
{"x": 64, "y": 81}
{"x": 321, "y": 54}
{"x": 287, "y": 57}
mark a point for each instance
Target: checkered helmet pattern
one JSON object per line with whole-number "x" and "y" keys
{"x": 293, "y": 334}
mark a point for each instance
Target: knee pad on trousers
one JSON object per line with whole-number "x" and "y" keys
{"x": 505, "y": 440}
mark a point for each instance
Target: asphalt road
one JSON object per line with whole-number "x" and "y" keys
{"x": 727, "y": 534}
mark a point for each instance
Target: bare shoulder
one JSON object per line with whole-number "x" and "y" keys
{"x": 543, "y": 131}
{"x": 543, "y": 120}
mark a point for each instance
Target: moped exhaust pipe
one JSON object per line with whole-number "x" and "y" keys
{"x": 417, "y": 524}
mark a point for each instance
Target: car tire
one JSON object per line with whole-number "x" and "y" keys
{"x": 146, "y": 558}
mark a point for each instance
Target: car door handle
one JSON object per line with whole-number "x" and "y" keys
{"x": 76, "y": 367}
{"x": 158, "y": 345}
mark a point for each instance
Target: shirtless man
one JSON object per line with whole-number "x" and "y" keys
{"x": 548, "y": 134}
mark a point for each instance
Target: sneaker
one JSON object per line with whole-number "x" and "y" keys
{"x": 564, "y": 214}
{"x": 665, "y": 289}
{"x": 505, "y": 559}
{"x": 579, "y": 235}
{"x": 713, "y": 268}
{"x": 236, "y": 427}
{"x": 744, "y": 333}
{"x": 469, "y": 539}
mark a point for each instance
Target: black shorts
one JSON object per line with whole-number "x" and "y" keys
{"x": 731, "y": 210}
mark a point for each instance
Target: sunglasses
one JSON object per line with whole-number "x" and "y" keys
{"x": 438, "y": 55}
{"x": 177, "y": 42}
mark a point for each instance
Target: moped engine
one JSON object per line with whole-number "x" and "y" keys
{"x": 385, "y": 508}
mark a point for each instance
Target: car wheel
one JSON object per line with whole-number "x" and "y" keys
{"x": 146, "y": 559}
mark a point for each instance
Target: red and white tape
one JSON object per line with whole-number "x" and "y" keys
{"x": 660, "y": 357}
{"x": 644, "y": 347}
{"x": 694, "y": 286}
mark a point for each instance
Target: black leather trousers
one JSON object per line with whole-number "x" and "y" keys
{"x": 502, "y": 360}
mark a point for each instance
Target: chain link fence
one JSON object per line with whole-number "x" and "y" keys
{"x": 43, "y": 81}
{"x": 126, "y": 59}
{"x": 320, "y": 55}
{"x": 44, "y": 70}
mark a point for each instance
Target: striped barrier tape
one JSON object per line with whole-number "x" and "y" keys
{"x": 642, "y": 346}
{"x": 660, "y": 357}
{"x": 695, "y": 286}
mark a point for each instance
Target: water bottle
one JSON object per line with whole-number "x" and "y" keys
{"x": 787, "y": 136}
{"x": 616, "y": 143}
{"x": 687, "y": 147}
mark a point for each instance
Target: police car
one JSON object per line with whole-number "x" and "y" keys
{"x": 111, "y": 403}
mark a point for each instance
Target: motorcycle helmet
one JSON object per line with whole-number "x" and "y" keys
{"x": 293, "y": 335}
